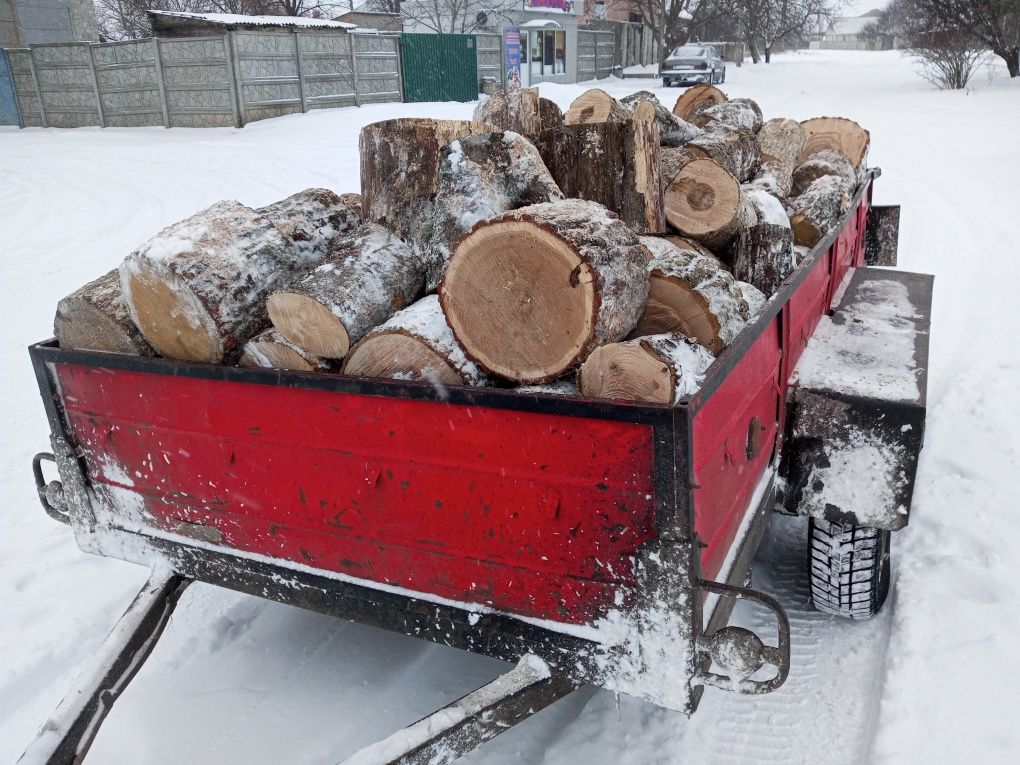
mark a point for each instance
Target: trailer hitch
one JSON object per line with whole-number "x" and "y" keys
{"x": 739, "y": 651}
{"x": 51, "y": 495}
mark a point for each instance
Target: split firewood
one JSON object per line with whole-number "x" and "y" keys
{"x": 558, "y": 388}
{"x": 658, "y": 369}
{"x": 762, "y": 254}
{"x": 415, "y": 344}
{"x": 691, "y": 293}
{"x": 824, "y": 162}
{"x": 481, "y": 176}
{"x": 549, "y": 114}
{"x": 517, "y": 109}
{"x": 368, "y": 276}
{"x": 696, "y": 98}
{"x": 734, "y": 148}
{"x": 819, "y": 209}
{"x": 736, "y": 113}
{"x": 197, "y": 289}
{"x": 271, "y": 350}
{"x": 836, "y": 133}
{"x": 780, "y": 141}
{"x": 673, "y": 131}
{"x": 703, "y": 202}
{"x": 311, "y": 218}
{"x": 613, "y": 163}
{"x": 530, "y": 294}
{"x": 400, "y": 165}
{"x": 595, "y": 106}
{"x": 96, "y": 318}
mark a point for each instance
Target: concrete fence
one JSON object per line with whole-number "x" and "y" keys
{"x": 595, "y": 52}
{"x": 221, "y": 81}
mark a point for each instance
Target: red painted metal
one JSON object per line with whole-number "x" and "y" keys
{"x": 535, "y": 514}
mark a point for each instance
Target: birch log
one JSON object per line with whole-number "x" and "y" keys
{"x": 96, "y": 318}
{"x": 735, "y": 113}
{"x": 530, "y": 294}
{"x": 761, "y": 254}
{"x": 311, "y": 218}
{"x": 824, "y": 162}
{"x": 673, "y": 131}
{"x": 733, "y": 148}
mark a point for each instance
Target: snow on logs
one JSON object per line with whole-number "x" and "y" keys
{"x": 531, "y": 293}
{"x": 96, "y": 318}
{"x": 197, "y": 289}
{"x": 736, "y": 113}
{"x": 761, "y": 253}
{"x": 823, "y": 162}
{"x": 271, "y": 350}
{"x": 695, "y": 99}
{"x": 673, "y": 131}
{"x": 368, "y": 275}
{"x": 415, "y": 344}
{"x": 735, "y": 148}
{"x": 692, "y": 293}
{"x": 516, "y": 109}
{"x": 658, "y": 369}
{"x": 311, "y": 218}
{"x": 818, "y": 210}
{"x": 780, "y": 141}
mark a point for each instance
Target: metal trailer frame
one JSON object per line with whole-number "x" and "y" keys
{"x": 669, "y": 566}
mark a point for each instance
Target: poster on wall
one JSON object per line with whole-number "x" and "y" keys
{"x": 550, "y": 6}
{"x": 512, "y": 58}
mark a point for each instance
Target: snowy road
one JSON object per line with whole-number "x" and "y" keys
{"x": 236, "y": 679}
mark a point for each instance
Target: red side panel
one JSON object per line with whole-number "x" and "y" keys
{"x": 534, "y": 514}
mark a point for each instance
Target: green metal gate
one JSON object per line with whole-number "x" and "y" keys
{"x": 439, "y": 67}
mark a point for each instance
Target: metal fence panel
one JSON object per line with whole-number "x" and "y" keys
{"x": 605, "y": 51}
{"x": 439, "y": 67}
{"x": 25, "y": 86}
{"x": 490, "y": 57}
{"x": 128, "y": 80}
{"x": 199, "y": 82}
{"x": 267, "y": 74}
{"x": 67, "y": 84}
{"x": 8, "y": 100}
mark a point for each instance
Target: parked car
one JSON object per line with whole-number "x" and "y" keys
{"x": 691, "y": 64}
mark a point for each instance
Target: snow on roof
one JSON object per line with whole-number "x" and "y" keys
{"x": 851, "y": 26}
{"x": 257, "y": 21}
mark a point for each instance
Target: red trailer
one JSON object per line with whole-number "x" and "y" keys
{"x": 592, "y": 542}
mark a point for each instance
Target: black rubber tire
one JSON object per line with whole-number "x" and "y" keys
{"x": 849, "y": 568}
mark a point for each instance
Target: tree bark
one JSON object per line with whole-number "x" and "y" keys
{"x": 271, "y": 350}
{"x": 368, "y": 276}
{"x": 761, "y": 254}
{"x": 530, "y": 294}
{"x": 517, "y": 110}
{"x": 400, "y": 165}
{"x": 613, "y": 163}
{"x": 550, "y": 114}
{"x": 780, "y": 141}
{"x": 733, "y": 148}
{"x": 696, "y": 98}
{"x": 818, "y": 210}
{"x": 415, "y": 344}
{"x": 736, "y": 113}
{"x": 95, "y": 318}
{"x": 824, "y": 162}
{"x": 673, "y": 131}
{"x": 594, "y": 107}
{"x": 481, "y": 176}
{"x": 197, "y": 290}
{"x": 691, "y": 293}
{"x": 835, "y": 133}
{"x": 658, "y": 369}
{"x": 311, "y": 218}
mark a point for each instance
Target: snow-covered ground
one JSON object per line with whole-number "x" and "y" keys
{"x": 237, "y": 679}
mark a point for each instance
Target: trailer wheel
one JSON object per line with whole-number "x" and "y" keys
{"x": 849, "y": 567}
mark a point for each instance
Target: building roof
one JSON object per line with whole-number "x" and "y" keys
{"x": 851, "y": 26}
{"x": 237, "y": 19}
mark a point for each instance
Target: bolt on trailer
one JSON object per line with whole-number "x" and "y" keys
{"x": 586, "y": 541}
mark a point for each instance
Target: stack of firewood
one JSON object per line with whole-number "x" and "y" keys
{"x": 615, "y": 249}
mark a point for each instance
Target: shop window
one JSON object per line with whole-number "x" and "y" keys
{"x": 548, "y": 52}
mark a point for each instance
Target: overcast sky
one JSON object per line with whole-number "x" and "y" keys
{"x": 857, "y": 7}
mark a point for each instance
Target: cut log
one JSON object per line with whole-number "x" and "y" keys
{"x": 824, "y": 162}
{"x": 694, "y": 99}
{"x": 659, "y": 369}
{"x": 415, "y": 344}
{"x": 271, "y": 350}
{"x": 481, "y": 176}
{"x": 780, "y": 141}
{"x": 197, "y": 289}
{"x": 836, "y": 133}
{"x": 517, "y": 109}
{"x": 613, "y": 163}
{"x": 95, "y": 318}
{"x": 530, "y": 294}
{"x": 762, "y": 254}
{"x": 549, "y": 114}
{"x": 673, "y": 131}
{"x": 693, "y": 294}
{"x": 593, "y": 107}
{"x": 400, "y": 165}
{"x": 672, "y": 160}
{"x": 688, "y": 245}
{"x": 703, "y": 202}
{"x": 736, "y": 113}
{"x": 311, "y": 218}
{"x": 818, "y": 210}
{"x": 368, "y": 276}
{"x": 733, "y": 148}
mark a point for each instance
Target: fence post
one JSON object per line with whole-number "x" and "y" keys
{"x": 38, "y": 89}
{"x": 160, "y": 84}
{"x": 354, "y": 69}
{"x": 398, "y": 47}
{"x": 300, "y": 71}
{"x": 234, "y": 77}
{"x": 95, "y": 85}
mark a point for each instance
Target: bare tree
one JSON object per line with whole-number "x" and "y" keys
{"x": 768, "y": 21}
{"x": 673, "y": 22}
{"x": 948, "y": 52}
{"x": 995, "y": 23}
{"x": 453, "y": 16}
